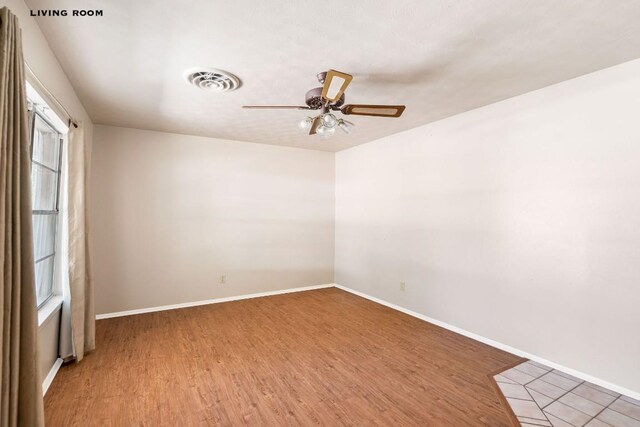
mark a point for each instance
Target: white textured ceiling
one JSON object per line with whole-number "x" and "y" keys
{"x": 439, "y": 58}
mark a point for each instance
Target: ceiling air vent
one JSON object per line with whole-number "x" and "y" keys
{"x": 212, "y": 79}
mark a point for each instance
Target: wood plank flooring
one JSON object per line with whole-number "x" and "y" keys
{"x": 323, "y": 357}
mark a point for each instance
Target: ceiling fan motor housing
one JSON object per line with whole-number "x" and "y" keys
{"x": 313, "y": 99}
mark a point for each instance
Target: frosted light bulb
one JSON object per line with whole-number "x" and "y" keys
{"x": 329, "y": 120}
{"x": 325, "y": 132}
{"x": 305, "y": 124}
{"x": 345, "y": 127}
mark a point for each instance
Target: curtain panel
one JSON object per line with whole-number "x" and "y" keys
{"x": 81, "y": 304}
{"x": 21, "y": 388}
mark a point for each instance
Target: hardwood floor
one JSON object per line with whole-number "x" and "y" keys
{"x": 323, "y": 357}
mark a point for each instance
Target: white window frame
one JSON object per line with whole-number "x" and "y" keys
{"x": 34, "y": 115}
{"x": 47, "y": 308}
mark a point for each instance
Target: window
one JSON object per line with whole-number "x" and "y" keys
{"x": 46, "y": 149}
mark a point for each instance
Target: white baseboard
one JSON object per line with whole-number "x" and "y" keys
{"x": 51, "y": 375}
{"x": 209, "y": 301}
{"x": 496, "y": 344}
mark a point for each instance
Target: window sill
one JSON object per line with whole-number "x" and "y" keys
{"x": 47, "y": 311}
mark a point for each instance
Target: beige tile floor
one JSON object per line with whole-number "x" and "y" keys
{"x": 542, "y": 396}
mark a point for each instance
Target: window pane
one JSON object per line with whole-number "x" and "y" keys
{"x": 44, "y": 231}
{"x": 45, "y": 175}
{"x": 44, "y": 279}
{"x": 46, "y": 144}
{"x": 44, "y": 188}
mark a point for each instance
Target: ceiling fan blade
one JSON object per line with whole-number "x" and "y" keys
{"x": 335, "y": 83}
{"x": 275, "y": 107}
{"x": 373, "y": 110}
{"x": 315, "y": 125}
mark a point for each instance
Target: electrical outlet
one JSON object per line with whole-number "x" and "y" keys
{"x": 223, "y": 279}
{"x": 402, "y": 286}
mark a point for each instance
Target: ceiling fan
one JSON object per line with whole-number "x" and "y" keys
{"x": 330, "y": 97}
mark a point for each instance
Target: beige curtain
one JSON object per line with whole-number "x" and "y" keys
{"x": 82, "y": 311}
{"x": 21, "y": 397}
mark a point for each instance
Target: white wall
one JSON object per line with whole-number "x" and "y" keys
{"x": 519, "y": 221}
{"x": 48, "y": 336}
{"x": 172, "y": 213}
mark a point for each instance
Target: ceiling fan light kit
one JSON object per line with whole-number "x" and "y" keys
{"x": 328, "y": 98}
